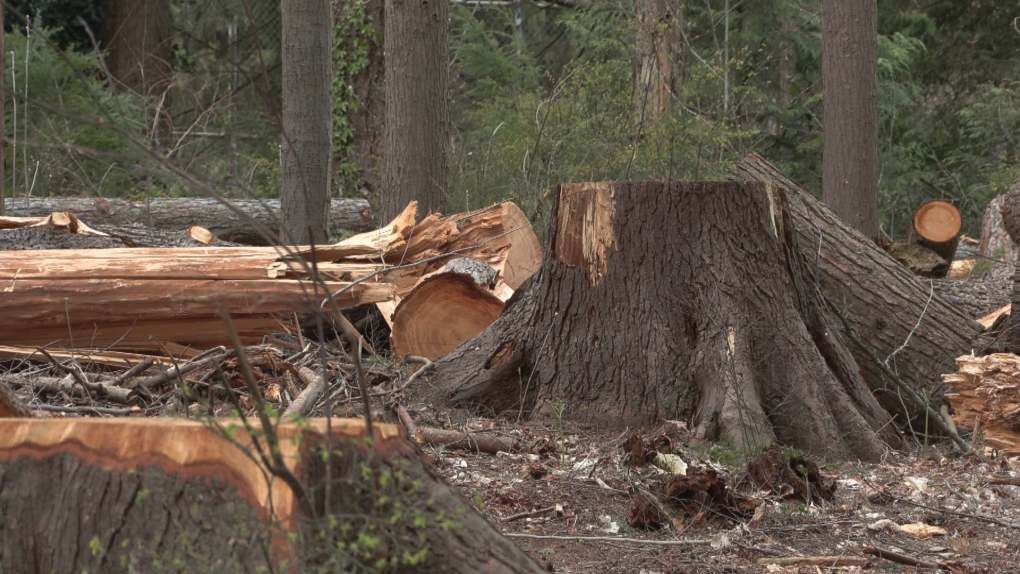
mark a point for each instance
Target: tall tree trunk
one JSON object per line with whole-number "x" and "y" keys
{"x": 417, "y": 134}
{"x": 307, "y": 121}
{"x": 850, "y": 88}
{"x": 657, "y": 57}
{"x": 674, "y": 300}
{"x": 369, "y": 100}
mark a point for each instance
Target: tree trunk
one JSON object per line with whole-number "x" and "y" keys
{"x": 369, "y": 99}
{"x": 883, "y": 301}
{"x": 936, "y": 225}
{"x": 136, "y": 35}
{"x": 416, "y": 144}
{"x": 850, "y": 136}
{"x": 657, "y": 57}
{"x": 996, "y": 243}
{"x": 178, "y": 213}
{"x": 307, "y": 121}
{"x": 48, "y": 237}
{"x": 123, "y": 495}
{"x": 674, "y": 301}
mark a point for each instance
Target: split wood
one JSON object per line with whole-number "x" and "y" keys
{"x": 821, "y": 561}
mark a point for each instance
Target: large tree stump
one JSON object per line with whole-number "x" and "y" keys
{"x": 674, "y": 300}
{"x": 885, "y": 304}
{"x": 148, "y": 495}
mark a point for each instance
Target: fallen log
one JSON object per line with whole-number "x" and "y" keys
{"x": 988, "y": 389}
{"x": 887, "y": 306}
{"x": 445, "y": 309}
{"x": 111, "y": 495}
{"x": 62, "y": 230}
{"x": 182, "y": 212}
{"x": 937, "y": 226}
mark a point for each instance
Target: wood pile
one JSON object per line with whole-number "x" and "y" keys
{"x": 169, "y": 299}
{"x": 986, "y": 395}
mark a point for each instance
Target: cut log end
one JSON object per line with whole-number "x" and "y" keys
{"x": 937, "y": 225}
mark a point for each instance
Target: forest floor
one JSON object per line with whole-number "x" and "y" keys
{"x": 586, "y": 493}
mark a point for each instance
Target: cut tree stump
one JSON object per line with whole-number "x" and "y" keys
{"x": 988, "y": 389}
{"x": 159, "y": 495}
{"x": 182, "y": 212}
{"x": 674, "y": 300}
{"x": 883, "y": 301}
{"x": 937, "y": 226}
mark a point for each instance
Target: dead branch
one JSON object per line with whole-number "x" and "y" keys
{"x": 315, "y": 385}
{"x": 901, "y": 558}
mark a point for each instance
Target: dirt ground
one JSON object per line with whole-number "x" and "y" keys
{"x": 586, "y": 493}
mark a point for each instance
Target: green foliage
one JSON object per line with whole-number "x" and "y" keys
{"x": 353, "y": 33}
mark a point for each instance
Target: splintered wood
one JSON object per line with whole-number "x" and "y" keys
{"x": 986, "y": 393}
{"x": 161, "y": 299}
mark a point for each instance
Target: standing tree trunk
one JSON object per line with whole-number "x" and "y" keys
{"x": 307, "y": 121}
{"x": 367, "y": 94}
{"x": 139, "y": 50}
{"x": 657, "y": 64}
{"x": 417, "y": 134}
{"x": 850, "y": 136}
{"x": 674, "y": 300}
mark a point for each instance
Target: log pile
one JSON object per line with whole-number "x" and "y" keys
{"x": 986, "y": 394}
{"x": 169, "y": 299}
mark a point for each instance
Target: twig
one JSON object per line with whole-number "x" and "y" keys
{"x": 823, "y": 561}
{"x": 611, "y": 539}
{"x": 408, "y": 359}
{"x": 528, "y": 513}
{"x": 1007, "y": 480}
{"x": 315, "y": 385}
{"x": 406, "y": 420}
{"x": 164, "y": 377}
{"x": 974, "y": 516}
{"x": 121, "y": 412}
{"x": 900, "y": 558}
{"x": 78, "y": 377}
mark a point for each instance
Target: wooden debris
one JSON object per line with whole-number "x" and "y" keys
{"x": 919, "y": 259}
{"x": 988, "y": 388}
{"x": 200, "y": 234}
{"x": 695, "y": 496}
{"x": 961, "y": 268}
{"x": 937, "y": 225}
{"x": 995, "y": 241}
{"x": 996, "y": 317}
{"x": 315, "y": 385}
{"x": 117, "y": 359}
{"x": 793, "y": 477}
{"x": 10, "y": 405}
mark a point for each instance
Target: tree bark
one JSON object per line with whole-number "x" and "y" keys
{"x": 178, "y": 213}
{"x": 121, "y": 495}
{"x": 137, "y": 38}
{"x": 657, "y": 62}
{"x": 366, "y": 119}
{"x": 883, "y": 301}
{"x": 850, "y": 137}
{"x": 307, "y": 121}
{"x": 416, "y": 144}
{"x": 674, "y": 301}
{"x": 996, "y": 243}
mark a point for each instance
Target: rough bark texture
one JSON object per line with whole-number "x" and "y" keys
{"x": 674, "y": 300}
{"x": 417, "y": 135}
{"x": 307, "y": 121}
{"x": 182, "y": 212}
{"x": 996, "y": 243}
{"x": 657, "y": 57}
{"x": 850, "y": 138}
{"x": 137, "y": 37}
{"x": 366, "y": 119}
{"x": 883, "y": 301}
{"x": 3, "y": 118}
{"x": 126, "y": 496}
{"x": 1011, "y": 212}
{"x": 978, "y": 296}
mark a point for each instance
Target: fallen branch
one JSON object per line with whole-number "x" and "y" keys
{"x": 611, "y": 539}
{"x": 1008, "y": 480}
{"x": 315, "y": 385}
{"x": 117, "y": 412}
{"x": 901, "y": 558}
{"x": 70, "y": 387}
{"x": 528, "y": 513}
{"x": 133, "y": 371}
{"x": 465, "y": 441}
{"x": 820, "y": 561}
{"x": 156, "y": 380}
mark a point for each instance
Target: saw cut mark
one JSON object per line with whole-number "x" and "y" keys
{"x": 585, "y": 228}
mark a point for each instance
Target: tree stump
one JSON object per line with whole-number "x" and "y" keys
{"x": 170, "y": 495}
{"x": 937, "y": 225}
{"x": 674, "y": 300}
